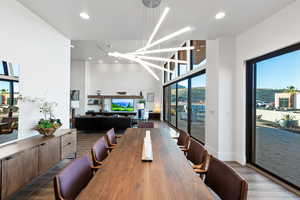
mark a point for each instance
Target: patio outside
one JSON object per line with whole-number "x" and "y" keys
{"x": 277, "y": 138}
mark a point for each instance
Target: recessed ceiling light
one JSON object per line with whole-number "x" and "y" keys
{"x": 116, "y": 61}
{"x": 84, "y": 15}
{"x": 90, "y": 58}
{"x": 220, "y": 15}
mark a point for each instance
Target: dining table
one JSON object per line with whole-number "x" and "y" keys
{"x": 124, "y": 176}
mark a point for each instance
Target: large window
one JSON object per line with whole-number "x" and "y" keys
{"x": 2, "y": 72}
{"x": 198, "y": 53}
{"x": 5, "y": 88}
{"x": 182, "y": 68}
{"x": 167, "y": 101}
{"x": 198, "y": 84}
{"x": 273, "y": 113}
{"x": 173, "y": 68}
{"x": 9, "y": 92}
{"x": 184, "y": 105}
{"x": 165, "y": 73}
{"x": 173, "y": 104}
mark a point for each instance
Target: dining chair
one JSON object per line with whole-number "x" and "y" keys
{"x": 197, "y": 155}
{"x": 99, "y": 151}
{"x": 183, "y": 141}
{"x": 224, "y": 181}
{"x": 145, "y": 125}
{"x": 111, "y": 139}
{"x": 73, "y": 179}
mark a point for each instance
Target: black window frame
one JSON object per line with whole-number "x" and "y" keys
{"x": 189, "y": 102}
{"x": 5, "y": 68}
{"x": 192, "y": 55}
{"x": 165, "y": 73}
{"x": 179, "y": 64}
{"x": 251, "y": 108}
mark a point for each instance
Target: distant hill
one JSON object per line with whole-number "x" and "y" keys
{"x": 181, "y": 86}
{"x": 267, "y": 95}
{"x": 198, "y": 94}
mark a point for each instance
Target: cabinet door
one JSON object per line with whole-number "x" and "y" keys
{"x": 49, "y": 154}
{"x": 17, "y": 170}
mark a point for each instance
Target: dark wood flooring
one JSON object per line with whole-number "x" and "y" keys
{"x": 260, "y": 187}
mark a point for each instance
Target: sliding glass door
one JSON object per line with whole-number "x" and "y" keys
{"x": 167, "y": 94}
{"x": 184, "y": 105}
{"x": 198, "y": 84}
{"x": 173, "y": 103}
{"x": 273, "y": 113}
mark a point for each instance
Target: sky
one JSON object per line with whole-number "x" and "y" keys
{"x": 198, "y": 81}
{"x": 279, "y": 72}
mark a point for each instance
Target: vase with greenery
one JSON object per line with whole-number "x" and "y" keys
{"x": 287, "y": 121}
{"x": 48, "y": 124}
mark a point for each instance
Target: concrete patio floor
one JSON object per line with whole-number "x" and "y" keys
{"x": 278, "y": 151}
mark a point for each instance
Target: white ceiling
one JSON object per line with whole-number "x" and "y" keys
{"x": 125, "y": 23}
{"x": 98, "y": 50}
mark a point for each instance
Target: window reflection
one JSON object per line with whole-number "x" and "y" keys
{"x": 173, "y": 104}
{"x": 182, "y": 105}
{"x": 182, "y": 55}
{"x": 198, "y": 85}
{"x": 199, "y": 53}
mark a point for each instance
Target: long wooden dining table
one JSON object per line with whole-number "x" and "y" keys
{"x": 124, "y": 176}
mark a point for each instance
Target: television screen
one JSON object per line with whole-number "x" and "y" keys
{"x": 122, "y": 105}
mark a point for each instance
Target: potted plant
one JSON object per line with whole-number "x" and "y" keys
{"x": 287, "y": 121}
{"x": 48, "y": 125}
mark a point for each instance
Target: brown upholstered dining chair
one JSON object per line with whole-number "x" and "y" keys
{"x": 111, "y": 139}
{"x": 197, "y": 155}
{"x": 73, "y": 179}
{"x": 99, "y": 152}
{"x": 224, "y": 181}
{"x": 183, "y": 141}
{"x": 146, "y": 125}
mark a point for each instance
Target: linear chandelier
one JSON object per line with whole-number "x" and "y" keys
{"x": 139, "y": 55}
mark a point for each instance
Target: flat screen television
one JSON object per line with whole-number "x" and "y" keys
{"x": 124, "y": 105}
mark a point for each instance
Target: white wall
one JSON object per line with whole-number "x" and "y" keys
{"x": 219, "y": 97}
{"x": 212, "y": 90}
{"x": 111, "y": 78}
{"x": 280, "y": 30}
{"x": 44, "y": 58}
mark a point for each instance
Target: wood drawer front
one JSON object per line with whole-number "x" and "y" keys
{"x": 18, "y": 170}
{"x": 68, "y": 150}
{"x": 49, "y": 154}
{"x": 68, "y": 138}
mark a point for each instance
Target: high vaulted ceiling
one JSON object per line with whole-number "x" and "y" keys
{"x": 128, "y": 22}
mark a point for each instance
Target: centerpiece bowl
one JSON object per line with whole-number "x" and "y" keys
{"x": 47, "y": 127}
